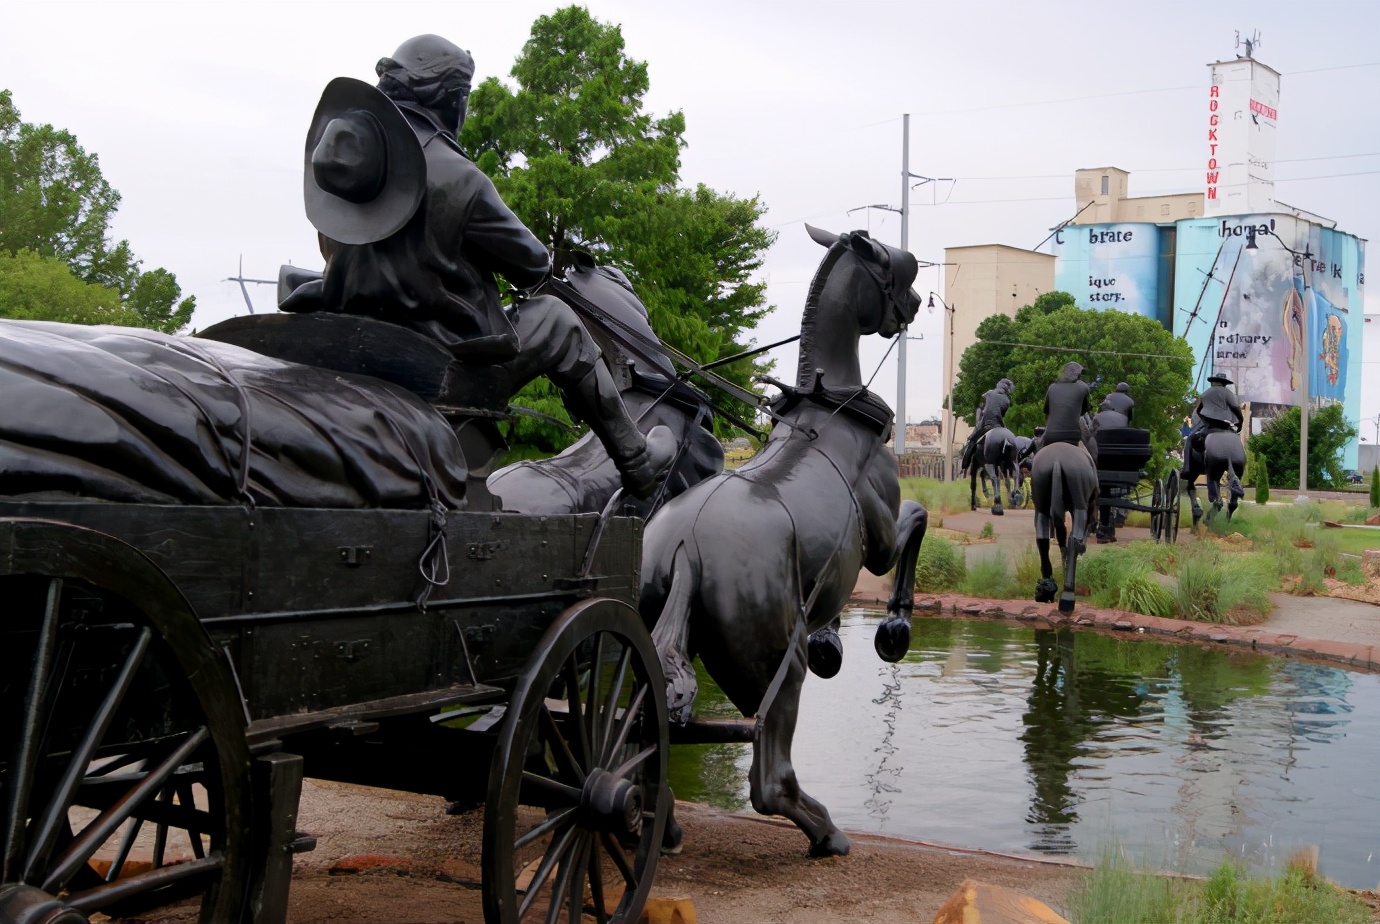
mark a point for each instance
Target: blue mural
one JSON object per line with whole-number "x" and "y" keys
{"x": 1112, "y": 266}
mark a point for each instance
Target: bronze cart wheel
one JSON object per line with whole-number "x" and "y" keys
{"x": 125, "y": 771}
{"x": 1172, "y": 498}
{"x": 578, "y": 797}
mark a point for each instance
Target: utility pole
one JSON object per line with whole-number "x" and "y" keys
{"x": 900, "y": 439}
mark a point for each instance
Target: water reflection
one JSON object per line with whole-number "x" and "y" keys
{"x": 998, "y": 736}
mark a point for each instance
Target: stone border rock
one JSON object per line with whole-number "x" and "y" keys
{"x": 1253, "y": 638}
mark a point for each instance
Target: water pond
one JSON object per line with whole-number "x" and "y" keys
{"x": 997, "y": 736}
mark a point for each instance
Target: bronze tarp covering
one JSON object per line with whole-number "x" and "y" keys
{"x": 127, "y": 414}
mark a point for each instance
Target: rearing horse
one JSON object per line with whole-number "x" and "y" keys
{"x": 995, "y": 461}
{"x": 743, "y": 566}
{"x": 1222, "y": 455}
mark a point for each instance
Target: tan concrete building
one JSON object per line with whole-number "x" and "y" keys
{"x": 980, "y": 281}
{"x": 1103, "y": 197}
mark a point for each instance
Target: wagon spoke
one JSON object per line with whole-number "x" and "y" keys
{"x": 592, "y": 699}
{"x": 632, "y": 763}
{"x": 56, "y": 814}
{"x": 554, "y": 820}
{"x": 629, "y": 717}
{"x": 576, "y": 894}
{"x": 122, "y": 854}
{"x": 106, "y": 895}
{"x": 596, "y": 886}
{"x": 577, "y": 713}
{"x": 615, "y": 694}
{"x": 560, "y": 747}
{"x": 567, "y": 794}
{"x": 560, "y": 888}
{"x": 620, "y": 859}
{"x": 26, "y": 754}
{"x": 557, "y": 849}
{"x": 187, "y": 800}
{"x": 95, "y": 834}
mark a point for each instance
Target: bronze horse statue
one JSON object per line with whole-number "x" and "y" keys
{"x": 1063, "y": 479}
{"x": 1222, "y": 454}
{"x": 741, "y": 568}
{"x": 676, "y": 417}
{"x": 995, "y": 461}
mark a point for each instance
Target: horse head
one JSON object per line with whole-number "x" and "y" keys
{"x": 861, "y": 287}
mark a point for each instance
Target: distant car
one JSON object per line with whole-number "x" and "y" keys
{"x": 1354, "y": 477}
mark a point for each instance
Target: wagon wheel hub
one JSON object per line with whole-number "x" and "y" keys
{"x": 613, "y": 804}
{"x": 26, "y": 904}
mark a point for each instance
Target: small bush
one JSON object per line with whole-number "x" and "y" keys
{"x": 1262, "y": 481}
{"x": 940, "y": 566}
{"x": 989, "y": 577}
{"x": 1375, "y": 486}
{"x": 1143, "y": 594}
{"x": 1103, "y": 573}
{"x": 987, "y": 531}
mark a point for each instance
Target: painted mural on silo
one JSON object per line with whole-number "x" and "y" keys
{"x": 1266, "y": 299}
{"x": 1111, "y": 266}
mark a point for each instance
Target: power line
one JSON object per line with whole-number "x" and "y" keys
{"x": 1063, "y": 349}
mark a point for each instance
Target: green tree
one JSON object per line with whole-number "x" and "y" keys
{"x": 1375, "y": 486}
{"x": 1262, "y": 480}
{"x": 576, "y": 156}
{"x": 55, "y": 202}
{"x": 38, "y": 288}
{"x": 1113, "y": 346}
{"x": 1328, "y": 434}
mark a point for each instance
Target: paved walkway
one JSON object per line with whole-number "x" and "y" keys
{"x": 1333, "y": 629}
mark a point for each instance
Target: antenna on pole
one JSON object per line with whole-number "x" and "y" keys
{"x": 1251, "y": 42}
{"x": 244, "y": 290}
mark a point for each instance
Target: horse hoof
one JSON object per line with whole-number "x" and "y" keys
{"x": 893, "y": 638}
{"x": 835, "y": 844}
{"x": 1066, "y": 604}
{"x": 1045, "y": 590}
{"x": 825, "y": 653}
{"x": 997, "y": 511}
{"x": 1017, "y": 499}
{"x": 672, "y": 837}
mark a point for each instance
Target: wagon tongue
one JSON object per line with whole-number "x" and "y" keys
{"x": 612, "y": 803}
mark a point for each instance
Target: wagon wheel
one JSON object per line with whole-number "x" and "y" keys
{"x": 1157, "y": 510}
{"x": 577, "y": 797}
{"x": 107, "y": 738}
{"x": 1172, "y": 510}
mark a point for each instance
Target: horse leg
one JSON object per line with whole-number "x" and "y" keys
{"x": 1192, "y": 493}
{"x": 1076, "y": 544}
{"x": 995, "y": 477}
{"x": 1017, "y": 495}
{"x": 1045, "y": 587}
{"x": 972, "y": 487}
{"x": 1214, "y": 493}
{"x": 773, "y": 784}
{"x": 1234, "y": 490}
{"x": 893, "y": 635}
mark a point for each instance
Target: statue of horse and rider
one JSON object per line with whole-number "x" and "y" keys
{"x": 1213, "y": 447}
{"x": 991, "y": 451}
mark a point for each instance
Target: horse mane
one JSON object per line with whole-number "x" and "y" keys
{"x": 805, "y": 372}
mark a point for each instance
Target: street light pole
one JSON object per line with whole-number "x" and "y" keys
{"x": 949, "y": 390}
{"x": 900, "y": 443}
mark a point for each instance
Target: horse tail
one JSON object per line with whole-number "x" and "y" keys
{"x": 1058, "y": 492}
{"x": 671, "y": 636}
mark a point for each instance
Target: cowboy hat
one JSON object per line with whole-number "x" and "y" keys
{"x": 365, "y": 171}
{"x": 1221, "y": 378}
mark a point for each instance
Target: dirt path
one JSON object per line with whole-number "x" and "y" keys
{"x": 396, "y": 858}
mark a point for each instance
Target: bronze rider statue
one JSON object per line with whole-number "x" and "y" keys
{"x": 414, "y": 233}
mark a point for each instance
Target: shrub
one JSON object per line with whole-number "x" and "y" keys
{"x": 940, "y": 565}
{"x": 989, "y": 577}
{"x": 1262, "y": 481}
{"x": 1375, "y": 486}
{"x": 1143, "y": 594}
{"x": 1028, "y": 569}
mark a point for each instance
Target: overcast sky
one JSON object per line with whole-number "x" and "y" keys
{"x": 198, "y": 113}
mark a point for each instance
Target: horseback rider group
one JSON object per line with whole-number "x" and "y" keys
{"x": 991, "y": 413}
{"x": 414, "y": 232}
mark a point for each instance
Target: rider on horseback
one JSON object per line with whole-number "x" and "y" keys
{"x": 991, "y": 413}
{"x": 1217, "y": 409}
{"x": 1066, "y": 403}
{"x": 1120, "y": 401}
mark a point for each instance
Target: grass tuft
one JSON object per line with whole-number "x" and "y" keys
{"x": 940, "y": 565}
